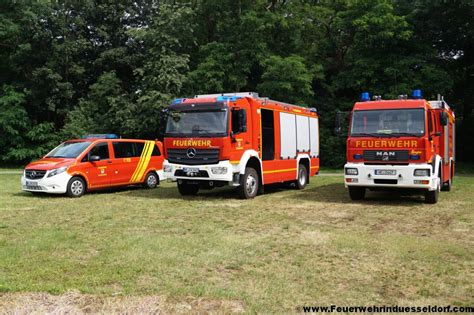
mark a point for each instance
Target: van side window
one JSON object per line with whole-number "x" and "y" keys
{"x": 100, "y": 149}
{"x": 156, "y": 151}
{"x": 128, "y": 149}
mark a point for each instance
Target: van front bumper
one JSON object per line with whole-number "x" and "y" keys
{"x": 379, "y": 176}
{"x": 56, "y": 184}
{"x": 222, "y": 171}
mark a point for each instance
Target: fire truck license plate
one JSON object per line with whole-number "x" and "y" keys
{"x": 30, "y": 183}
{"x": 191, "y": 171}
{"x": 385, "y": 172}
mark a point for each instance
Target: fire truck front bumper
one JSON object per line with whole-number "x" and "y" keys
{"x": 222, "y": 172}
{"x": 418, "y": 176}
{"x": 56, "y": 184}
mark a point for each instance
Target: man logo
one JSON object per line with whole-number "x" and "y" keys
{"x": 191, "y": 153}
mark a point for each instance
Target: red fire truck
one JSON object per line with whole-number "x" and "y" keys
{"x": 403, "y": 143}
{"x": 239, "y": 139}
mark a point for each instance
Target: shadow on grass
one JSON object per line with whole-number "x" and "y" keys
{"x": 337, "y": 193}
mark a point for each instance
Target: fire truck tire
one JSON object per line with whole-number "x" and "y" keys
{"x": 431, "y": 196}
{"x": 357, "y": 193}
{"x": 151, "y": 180}
{"x": 186, "y": 189}
{"x": 249, "y": 184}
{"x": 76, "y": 187}
{"x": 302, "y": 179}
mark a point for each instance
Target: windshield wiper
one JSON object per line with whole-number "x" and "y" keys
{"x": 407, "y": 134}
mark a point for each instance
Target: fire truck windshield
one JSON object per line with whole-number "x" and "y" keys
{"x": 388, "y": 123}
{"x": 69, "y": 149}
{"x": 197, "y": 123}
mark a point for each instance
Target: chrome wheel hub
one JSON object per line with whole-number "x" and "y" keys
{"x": 251, "y": 185}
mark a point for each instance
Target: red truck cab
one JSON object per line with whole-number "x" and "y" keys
{"x": 402, "y": 143}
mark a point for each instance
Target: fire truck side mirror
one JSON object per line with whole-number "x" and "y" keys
{"x": 443, "y": 119}
{"x": 243, "y": 120}
{"x": 337, "y": 124}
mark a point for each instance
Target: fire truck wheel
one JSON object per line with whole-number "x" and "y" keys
{"x": 76, "y": 187}
{"x": 302, "y": 180}
{"x": 432, "y": 196}
{"x": 249, "y": 184}
{"x": 186, "y": 189}
{"x": 151, "y": 180}
{"x": 356, "y": 193}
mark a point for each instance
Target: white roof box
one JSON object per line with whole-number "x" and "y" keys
{"x": 241, "y": 94}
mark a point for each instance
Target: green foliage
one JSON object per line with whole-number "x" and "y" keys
{"x": 68, "y": 68}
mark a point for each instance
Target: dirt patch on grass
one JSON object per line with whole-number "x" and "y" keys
{"x": 73, "y": 302}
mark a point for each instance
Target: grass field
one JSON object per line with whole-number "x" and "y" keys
{"x": 152, "y": 250}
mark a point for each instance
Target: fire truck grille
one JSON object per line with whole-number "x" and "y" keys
{"x": 386, "y": 156}
{"x": 196, "y": 157}
{"x": 34, "y": 174}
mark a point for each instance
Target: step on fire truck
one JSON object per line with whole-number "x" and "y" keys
{"x": 404, "y": 143}
{"x": 239, "y": 139}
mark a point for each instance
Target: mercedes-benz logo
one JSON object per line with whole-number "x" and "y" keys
{"x": 33, "y": 174}
{"x": 191, "y": 153}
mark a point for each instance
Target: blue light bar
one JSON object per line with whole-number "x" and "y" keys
{"x": 101, "y": 136}
{"x": 416, "y": 94}
{"x": 225, "y": 98}
{"x": 177, "y": 101}
{"x": 364, "y": 97}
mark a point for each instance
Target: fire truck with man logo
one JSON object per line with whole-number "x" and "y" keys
{"x": 239, "y": 139}
{"x": 403, "y": 143}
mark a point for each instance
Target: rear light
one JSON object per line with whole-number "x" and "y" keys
{"x": 357, "y": 156}
{"x": 351, "y": 171}
{"x": 422, "y": 172}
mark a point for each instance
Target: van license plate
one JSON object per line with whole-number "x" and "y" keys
{"x": 30, "y": 183}
{"x": 385, "y": 172}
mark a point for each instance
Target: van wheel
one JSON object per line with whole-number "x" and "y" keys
{"x": 186, "y": 189}
{"x": 356, "y": 193}
{"x": 302, "y": 180}
{"x": 76, "y": 187}
{"x": 249, "y": 184}
{"x": 151, "y": 180}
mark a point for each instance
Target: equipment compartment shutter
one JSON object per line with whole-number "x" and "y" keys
{"x": 314, "y": 136}
{"x": 302, "y": 134}
{"x": 288, "y": 136}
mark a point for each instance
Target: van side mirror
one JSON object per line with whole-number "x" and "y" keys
{"x": 443, "y": 118}
{"x": 94, "y": 158}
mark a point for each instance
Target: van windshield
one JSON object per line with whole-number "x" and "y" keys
{"x": 69, "y": 149}
{"x": 198, "y": 123}
{"x": 388, "y": 122}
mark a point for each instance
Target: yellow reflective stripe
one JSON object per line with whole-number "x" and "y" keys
{"x": 146, "y": 161}
{"x": 140, "y": 162}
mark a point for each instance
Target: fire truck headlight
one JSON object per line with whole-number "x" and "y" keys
{"x": 422, "y": 172}
{"x": 351, "y": 171}
{"x": 219, "y": 170}
{"x": 57, "y": 171}
{"x": 167, "y": 169}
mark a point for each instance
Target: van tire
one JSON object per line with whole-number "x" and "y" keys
{"x": 302, "y": 179}
{"x": 186, "y": 189}
{"x": 356, "y": 193}
{"x": 76, "y": 187}
{"x": 151, "y": 180}
{"x": 249, "y": 184}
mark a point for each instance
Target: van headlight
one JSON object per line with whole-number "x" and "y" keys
{"x": 422, "y": 172}
{"x": 57, "y": 171}
{"x": 167, "y": 168}
{"x": 219, "y": 170}
{"x": 351, "y": 171}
